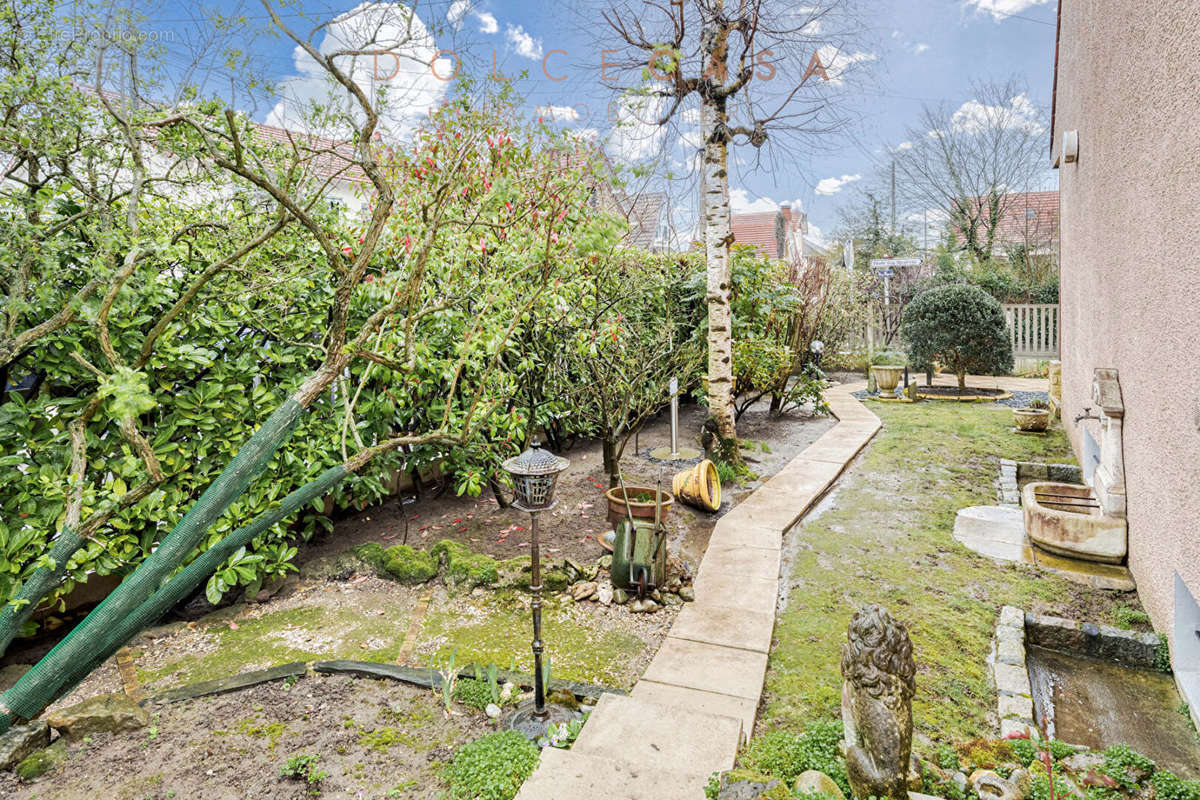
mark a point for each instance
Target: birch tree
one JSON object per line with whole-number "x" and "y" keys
{"x": 746, "y": 71}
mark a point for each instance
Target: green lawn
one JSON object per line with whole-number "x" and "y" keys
{"x": 885, "y": 537}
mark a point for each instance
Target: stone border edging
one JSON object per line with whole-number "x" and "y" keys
{"x": 421, "y": 678}
{"x": 1014, "y": 692}
{"x": 1128, "y": 648}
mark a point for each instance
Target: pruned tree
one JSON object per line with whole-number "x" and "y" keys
{"x": 745, "y": 72}
{"x": 970, "y": 160}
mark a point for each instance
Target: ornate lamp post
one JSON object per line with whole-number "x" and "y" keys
{"x": 534, "y": 474}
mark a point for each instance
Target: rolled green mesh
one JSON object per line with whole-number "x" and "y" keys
{"x": 194, "y": 574}
{"x": 44, "y": 683}
{"x": 43, "y": 581}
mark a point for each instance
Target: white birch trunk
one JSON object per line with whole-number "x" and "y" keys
{"x": 718, "y": 240}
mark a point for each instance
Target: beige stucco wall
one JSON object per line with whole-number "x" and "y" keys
{"x": 1129, "y": 82}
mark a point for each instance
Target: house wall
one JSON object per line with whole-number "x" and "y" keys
{"x": 1128, "y": 78}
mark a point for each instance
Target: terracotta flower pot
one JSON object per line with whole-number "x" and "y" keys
{"x": 1032, "y": 420}
{"x": 641, "y": 509}
{"x": 887, "y": 378}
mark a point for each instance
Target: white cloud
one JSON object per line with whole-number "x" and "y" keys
{"x": 584, "y": 134}
{"x": 834, "y": 185}
{"x": 838, "y": 62}
{"x": 558, "y": 113}
{"x": 904, "y": 146}
{"x": 523, "y": 43}
{"x": 740, "y": 203}
{"x": 920, "y": 47}
{"x": 637, "y": 134}
{"x": 457, "y": 10}
{"x": 1002, "y": 9}
{"x": 973, "y": 116}
{"x": 816, "y": 236}
{"x": 400, "y": 72}
{"x": 487, "y": 23}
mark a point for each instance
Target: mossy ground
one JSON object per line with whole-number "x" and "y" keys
{"x": 885, "y": 537}
{"x": 501, "y": 634}
{"x": 306, "y": 633}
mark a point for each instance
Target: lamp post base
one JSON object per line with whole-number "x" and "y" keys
{"x": 525, "y": 721}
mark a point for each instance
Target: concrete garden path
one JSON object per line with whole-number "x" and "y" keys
{"x": 697, "y": 701}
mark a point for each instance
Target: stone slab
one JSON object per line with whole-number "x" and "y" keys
{"x": 709, "y": 667}
{"x": 731, "y": 533}
{"x": 840, "y": 444}
{"x": 1012, "y": 680}
{"x": 747, "y": 562}
{"x": 1011, "y": 706}
{"x": 736, "y": 591}
{"x": 568, "y": 774}
{"x": 706, "y": 621}
{"x": 678, "y": 734}
{"x": 664, "y": 694}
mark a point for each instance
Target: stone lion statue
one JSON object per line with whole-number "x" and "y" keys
{"x": 879, "y": 680}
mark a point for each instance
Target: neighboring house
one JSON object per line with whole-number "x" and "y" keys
{"x": 1027, "y": 219}
{"x": 781, "y": 234}
{"x": 327, "y": 160}
{"x": 1123, "y": 139}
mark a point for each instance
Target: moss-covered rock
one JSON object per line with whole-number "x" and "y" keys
{"x": 985, "y": 753}
{"x": 517, "y": 573}
{"x": 41, "y": 762}
{"x": 404, "y": 563}
{"x": 465, "y": 567}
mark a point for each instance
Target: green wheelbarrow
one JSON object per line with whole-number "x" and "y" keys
{"x": 639, "y": 561}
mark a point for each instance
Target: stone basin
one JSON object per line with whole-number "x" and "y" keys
{"x": 1065, "y": 519}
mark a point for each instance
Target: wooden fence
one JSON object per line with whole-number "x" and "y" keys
{"x": 1034, "y": 330}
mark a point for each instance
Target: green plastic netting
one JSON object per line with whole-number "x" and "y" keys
{"x": 46, "y": 681}
{"x": 43, "y": 581}
{"x": 194, "y": 574}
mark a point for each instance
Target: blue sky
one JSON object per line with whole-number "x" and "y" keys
{"x": 911, "y": 52}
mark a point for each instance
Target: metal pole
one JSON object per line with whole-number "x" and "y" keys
{"x": 535, "y": 586}
{"x": 674, "y": 417}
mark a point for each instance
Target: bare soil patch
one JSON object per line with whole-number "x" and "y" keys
{"x": 375, "y": 738}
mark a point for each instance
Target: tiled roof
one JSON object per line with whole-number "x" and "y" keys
{"x": 758, "y": 231}
{"x": 644, "y": 212}
{"x": 1029, "y": 218}
{"x": 331, "y": 157}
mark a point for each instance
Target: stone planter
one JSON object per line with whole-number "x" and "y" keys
{"x": 1031, "y": 420}
{"x": 887, "y": 378}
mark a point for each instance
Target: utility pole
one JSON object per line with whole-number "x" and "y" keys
{"x": 893, "y": 197}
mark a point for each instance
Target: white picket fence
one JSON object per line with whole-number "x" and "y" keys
{"x": 1034, "y": 330}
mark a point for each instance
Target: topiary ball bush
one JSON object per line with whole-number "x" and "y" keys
{"x": 959, "y": 326}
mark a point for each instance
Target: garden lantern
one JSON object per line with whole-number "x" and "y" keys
{"x": 534, "y": 474}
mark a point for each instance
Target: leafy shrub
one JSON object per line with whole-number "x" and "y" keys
{"x": 1025, "y": 750}
{"x": 471, "y": 692}
{"x": 888, "y": 358}
{"x": 1038, "y": 404}
{"x": 1169, "y": 786}
{"x": 1162, "y": 656}
{"x": 785, "y": 755}
{"x": 1040, "y": 783}
{"x": 492, "y": 767}
{"x": 1126, "y": 766}
{"x": 960, "y": 327}
{"x": 947, "y": 758}
{"x": 1126, "y": 617}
